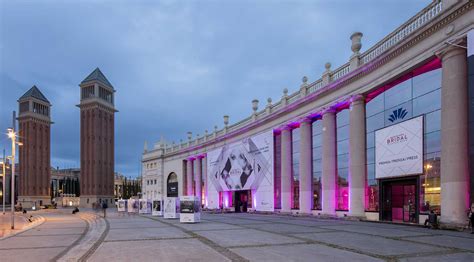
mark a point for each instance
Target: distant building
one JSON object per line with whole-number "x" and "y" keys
{"x": 126, "y": 187}
{"x": 34, "y": 125}
{"x": 65, "y": 181}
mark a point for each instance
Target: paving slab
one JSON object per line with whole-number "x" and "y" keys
{"x": 447, "y": 241}
{"x": 245, "y": 237}
{"x": 300, "y": 253}
{"x": 287, "y": 228}
{"x": 145, "y": 233}
{"x": 38, "y": 241}
{"x": 457, "y": 257}
{"x": 176, "y": 250}
{"x": 379, "y": 231}
{"x": 207, "y": 226}
{"x": 52, "y": 231}
{"x": 371, "y": 244}
{"x": 34, "y": 254}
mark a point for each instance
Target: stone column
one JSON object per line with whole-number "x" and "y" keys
{"x": 329, "y": 162}
{"x": 204, "y": 177}
{"x": 306, "y": 174}
{"x": 286, "y": 170}
{"x": 454, "y": 137}
{"x": 357, "y": 157}
{"x": 198, "y": 176}
{"x": 189, "y": 177}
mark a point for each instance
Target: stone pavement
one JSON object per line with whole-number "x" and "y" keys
{"x": 232, "y": 237}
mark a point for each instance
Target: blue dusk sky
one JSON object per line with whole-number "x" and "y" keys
{"x": 177, "y": 66}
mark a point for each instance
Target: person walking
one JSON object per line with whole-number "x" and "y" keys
{"x": 104, "y": 207}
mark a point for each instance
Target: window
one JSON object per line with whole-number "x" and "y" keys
{"x": 317, "y": 164}
{"x": 420, "y": 95}
{"x": 342, "y": 195}
{"x": 295, "y": 158}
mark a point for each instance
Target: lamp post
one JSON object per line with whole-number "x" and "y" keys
{"x": 4, "y": 174}
{"x": 12, "y": 136}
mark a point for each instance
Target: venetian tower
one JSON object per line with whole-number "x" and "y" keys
{"x": 97, "y": 139}
{"x": 34, "y": 126}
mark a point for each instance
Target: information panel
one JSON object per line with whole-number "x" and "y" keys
{"x": 399, "y": 149}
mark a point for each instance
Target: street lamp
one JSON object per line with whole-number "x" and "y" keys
{"x": 4, "y": 174}
{"x": 12, "y": 135}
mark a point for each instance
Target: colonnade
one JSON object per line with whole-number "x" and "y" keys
{"x": 196, "y": 176}
{"x": 454, "y": 156}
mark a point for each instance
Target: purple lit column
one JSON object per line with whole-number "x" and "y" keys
{"x": 286, "y": 170}
{"x": 329, "y": 162}
{"x": 357, "y": 157}
{"x": 454, "y": 136}
{"x": 204, "y": 178}
{"x": 189, "y": 177}
{"x": 306, "y": 194}
{"x": 198, "y": 177}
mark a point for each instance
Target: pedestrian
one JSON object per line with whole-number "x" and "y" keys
{"x": 432, "y": 220}
{"x": 104, "y": 207}
{"x": 471, "y": 218}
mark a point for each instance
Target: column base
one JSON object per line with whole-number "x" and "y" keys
{"x": 30, "y": 201}
{"x": 90, "y": 201}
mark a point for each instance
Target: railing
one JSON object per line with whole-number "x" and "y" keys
{"x": 401, "y": 33}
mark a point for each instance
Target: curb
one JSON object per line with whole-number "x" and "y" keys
{"x": 38, "y": 220}
{"x": 82, "y": 248}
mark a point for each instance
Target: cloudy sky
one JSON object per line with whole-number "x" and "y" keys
{"x": 177, "y": 66}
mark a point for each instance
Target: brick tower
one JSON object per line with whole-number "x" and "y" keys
{"x": 35, "y": 154}
{"x": 97, "y": 139}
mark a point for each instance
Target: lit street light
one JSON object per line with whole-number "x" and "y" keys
{"x": 12, "y": 135}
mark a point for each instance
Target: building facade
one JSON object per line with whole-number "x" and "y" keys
{"x": 97, "y": 139}
{"x": 383, "y": 137}
{"x": 34, "y": 121}
{"x": 65, "y": 181}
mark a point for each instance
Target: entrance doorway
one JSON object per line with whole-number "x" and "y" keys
{"x": 399, "y": 200}
{"x": 241, "y": 200}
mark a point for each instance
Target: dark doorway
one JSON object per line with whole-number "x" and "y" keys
{"x": 241, "y": 201}
{"x": 399, "y": 200}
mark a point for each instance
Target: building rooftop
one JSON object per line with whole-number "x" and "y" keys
{"x": 36, "y": 93}
{"x": 97, "y": 75}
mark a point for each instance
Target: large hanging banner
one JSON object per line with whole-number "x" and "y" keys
{"x": 399, "y": 149}
{"x": 244, "y": 165}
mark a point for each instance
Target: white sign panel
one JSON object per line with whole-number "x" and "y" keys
{"x": 171, "y": 207}
{"x": 122, "y": 205}
{"x": 244, "y": 165}
{"x": 157, "y": 207}
{"x": 399, "y": 149}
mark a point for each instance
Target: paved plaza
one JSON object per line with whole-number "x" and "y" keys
{"x": 229, "y": 237}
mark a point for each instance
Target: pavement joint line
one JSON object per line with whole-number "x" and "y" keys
{"x": 24, "y": 248}
{"x": 63, "y": 252}
{"x": 428, "y": 254}
{"x": 219, "y": 249}
{"x": 131, "y": 228}
{"x": 215, "y": 229}
{"x": 147, "y": 239}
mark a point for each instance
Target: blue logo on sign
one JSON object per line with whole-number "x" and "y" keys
{"x": 397, "y": 114}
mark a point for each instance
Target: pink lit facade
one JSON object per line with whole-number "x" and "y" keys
{"x": 329, "y": 157}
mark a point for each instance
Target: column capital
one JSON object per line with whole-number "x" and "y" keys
{"x": 191, "y": 158}
{"x": 451, "y": 49}
{"x": 306, "y": 120}
{"x": 328, "y": 110}
{"x": 356, "y": 99}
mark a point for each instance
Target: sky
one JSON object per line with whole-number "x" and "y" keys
{"x": 177, "y": 66}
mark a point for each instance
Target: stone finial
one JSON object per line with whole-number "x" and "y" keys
{"x": 181, "y": 141}
{"x": 285, "y": 92}
{"x": 145, "y": 147}
{"x": 269, "y": 101}
{"x": 206, "y": 132}
{"x": 255, "y": 105}
{"x": 327, "y": 66}
{"x": 173, "y": 143}
{"x": 356, "y": 42}
{"x": 305, "y": 79}
{"x": 190, "y": 135}
{"x": 226, "y": 120}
